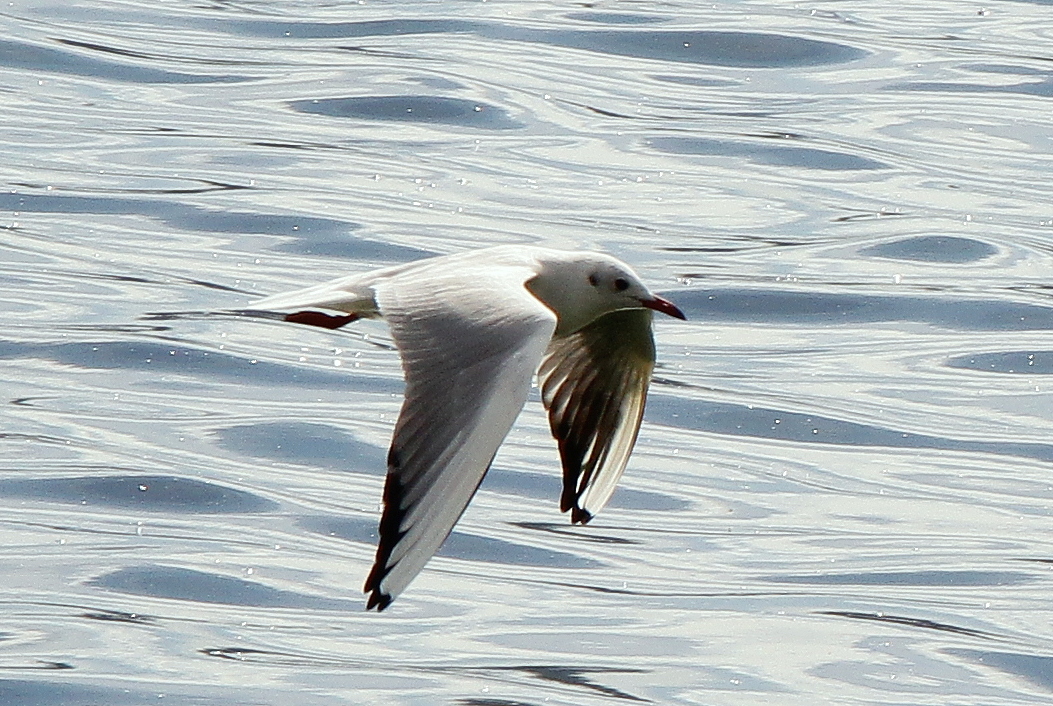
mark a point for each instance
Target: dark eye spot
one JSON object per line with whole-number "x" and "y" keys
{"x": 621, "y": 284}
{"x": 594, "y": 280}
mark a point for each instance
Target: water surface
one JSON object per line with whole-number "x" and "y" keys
{"x": 843, "y": 489}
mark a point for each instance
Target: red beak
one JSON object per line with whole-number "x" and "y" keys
{"x": 665, "y": 306}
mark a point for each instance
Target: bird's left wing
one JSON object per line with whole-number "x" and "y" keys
{"x": 470, "y": 343}
{"x": 594, "y": 385}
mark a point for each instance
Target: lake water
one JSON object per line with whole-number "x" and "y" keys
{"x": 843, "y": 489}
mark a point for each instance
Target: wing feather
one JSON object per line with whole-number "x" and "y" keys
{"x": 594, "y": 386}
{"x": 469, "y": 345}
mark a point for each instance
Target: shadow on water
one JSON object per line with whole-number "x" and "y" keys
{"x": 138, "y": 492}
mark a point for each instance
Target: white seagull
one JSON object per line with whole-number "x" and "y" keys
{"x": 473, "y": 329}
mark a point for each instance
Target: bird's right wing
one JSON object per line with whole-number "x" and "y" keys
{"x": 594, "y": 385}
{"x": 470, "y": 344}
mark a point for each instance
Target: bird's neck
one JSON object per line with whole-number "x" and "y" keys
{"x": 572, "y": 311}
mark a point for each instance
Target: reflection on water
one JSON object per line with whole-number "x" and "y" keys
{"x": 1036, "y": 669}
{"x": 412, "y": 109}
{"x": 745, "y": 49}
{"x": 1016, "y": 362}
{"x": 20, "y": 55}
{"x": 957, "y": 579}
{"x": 141, "y": 493}
{"x": 750, "y": 420}
{"x": 798, "y": 306}
{"x": 200, "y": 587}
{"x": 762, "y": 153}
{"x": 843, "y": 487}
{"x": 933, "y": 248}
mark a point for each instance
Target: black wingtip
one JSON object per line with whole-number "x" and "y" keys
{"x": 390, "y": 535}
{"x": 378, "y": 600}
{"x": 580, "y": 516}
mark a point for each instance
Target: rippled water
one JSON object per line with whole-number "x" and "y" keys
{"x": 843, "y": 492}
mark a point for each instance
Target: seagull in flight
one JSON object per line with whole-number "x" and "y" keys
{"x": 472, "y": 330}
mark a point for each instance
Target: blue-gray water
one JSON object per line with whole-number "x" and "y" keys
{"x": 842, "y": 493}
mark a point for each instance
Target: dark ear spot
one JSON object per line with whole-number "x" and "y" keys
{"x": 594, "y": 280}
{"x": 621, "y": 284}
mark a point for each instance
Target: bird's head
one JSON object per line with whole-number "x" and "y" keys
{"x": 581, "y": 287}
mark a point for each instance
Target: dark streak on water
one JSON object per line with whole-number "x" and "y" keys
{"x": 906, "y": 621}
